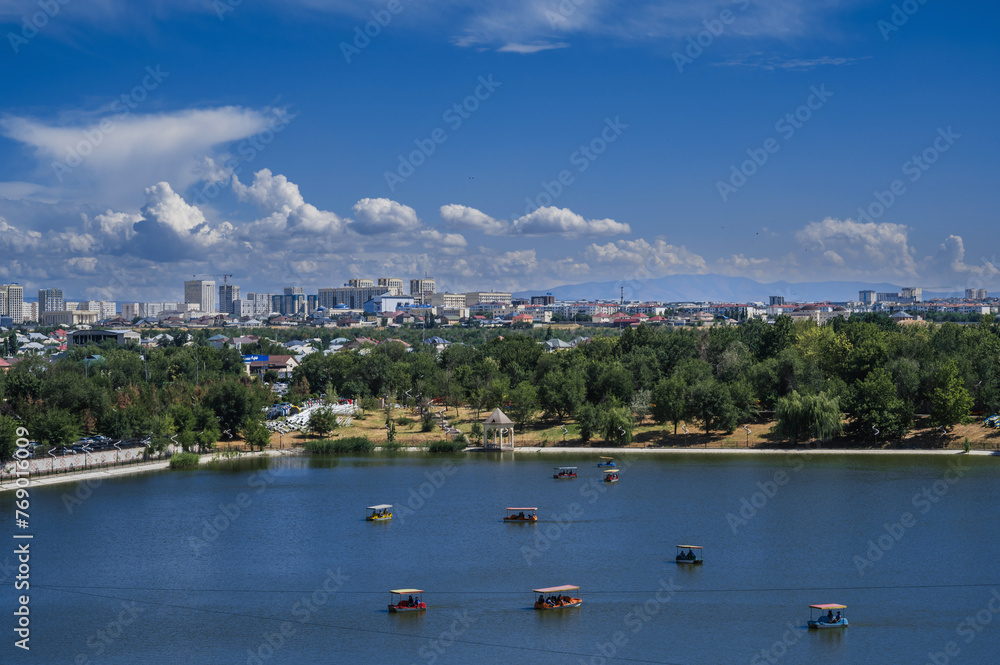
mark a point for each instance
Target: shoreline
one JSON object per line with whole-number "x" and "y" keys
{"x": 160, "y": 465}
{"x": 84, "y": 475}
{"x": 611, "y": 452}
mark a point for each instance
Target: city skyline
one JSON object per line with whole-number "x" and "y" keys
{"x": 520, "y": 146}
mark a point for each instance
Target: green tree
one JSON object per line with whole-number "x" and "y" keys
{"x": 876, "y": 410}
{"x": 617, "y": 426}
{"x": 322, "y": 421}
{"x": 950, "y": 400}
{"x": 55, "y": 427}
{"x": 523, "y": 403}
{"x": 8, "y": 439}
{"x": 713, "y": 405}
{"x": 561, "y": 392}
{"x": 670, "y": 401}
{"x": 589, "y": 420}
{"x": 255, "y": 433}
{"x": 802, "y": 416}
{"x": 641, "y": 404}
{"x": 233, "y": 403}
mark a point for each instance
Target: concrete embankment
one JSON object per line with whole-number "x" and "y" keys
{"x": 9, "y": 484}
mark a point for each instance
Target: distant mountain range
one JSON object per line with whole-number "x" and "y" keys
{"x": 719, "y": 288}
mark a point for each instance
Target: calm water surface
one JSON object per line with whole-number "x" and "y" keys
{"x": 271, "y": 561}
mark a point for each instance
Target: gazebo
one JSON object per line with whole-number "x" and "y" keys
{"x": 500, "y": 425}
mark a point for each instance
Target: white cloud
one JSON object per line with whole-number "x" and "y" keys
{"x": 543, "y": 221}
{"x": 858, "y": 248}
{"x": 526, "y": 49}
{"x": 640, "y": 259}
{"x": 566, "y": 222}
{"x": 375, "y": 216}
{"x": 109, "y": 157}
{"x": 463, "y": 217}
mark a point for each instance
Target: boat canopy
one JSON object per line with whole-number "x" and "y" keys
{"x": 525, "y": 508}
{"x": 406, "y": 591}
{"x": 607, "y": 458}
{"x": 566, "y": 468}
{"x": 381, "y": 506}
{"x": 553, "y": 589}
{"x": 829, "y": 606}
{"x": 691, "y": 547}
{"x": 612, "y": 470}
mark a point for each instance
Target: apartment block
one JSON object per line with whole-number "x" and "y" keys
{"x": 13, "y": 302}
{"x": 422, "y": 289}
{"x": 50, "y": 300}
{"x": 391, "y": 285}
{"x": 200, "y": 292}
{"x": 227, "y": 294}
{"x": 473, "y": 298}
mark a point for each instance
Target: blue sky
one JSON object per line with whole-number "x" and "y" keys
{"x": 140, "y": 146}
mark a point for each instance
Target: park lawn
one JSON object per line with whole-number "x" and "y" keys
{"x": 549, "y": 433}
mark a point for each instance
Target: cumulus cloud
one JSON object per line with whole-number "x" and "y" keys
{"x": 465, "y": 218}
{"x": 866, "y": 248}
{"x": 566, "y": 222}
{"x": 284, "y": 207}
{"x": 543, "y": 221}
{"x": 374, "y": 216}
{"x": 640, "y": 259}
{"x": 110, "y": 156}
{"x": 949, "y": 262}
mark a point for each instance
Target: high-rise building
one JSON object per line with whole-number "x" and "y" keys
{"x": 391, "y": 285}
{"x": 106, "y": 309}
{"x": 49, "y": 300}
{"x": 866, "y": 297}
{"x": 227, "y": 294}
{"x": 360, "y": 283}
{"x": 352, "y": 297}
{"x": 421, "y": 290}
{"x": 547, "y": 299}
{"x": 476, "y": 297}
{"x": 261, "y": 304}
{"x": 912, "y": 294}
{"x": 976, "y": 294}
{"x": 201, "y": 293}
{"x": 777, "y": 300}
{"x": 13, "y": 302}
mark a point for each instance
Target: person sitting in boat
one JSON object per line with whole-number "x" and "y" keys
{"x": 541, "y": 599}
{"x": 520, "y": 515}
{"x": 691, "y": 555}
{"x": 409, "y": 601}
{"x": 829, "y": 616}
{"x": 836, "y": 619}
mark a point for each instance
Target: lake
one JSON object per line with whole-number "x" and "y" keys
{"x": 271, "y": 561}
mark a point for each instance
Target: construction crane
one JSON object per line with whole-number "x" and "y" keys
{"x": 225, "y": 276}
